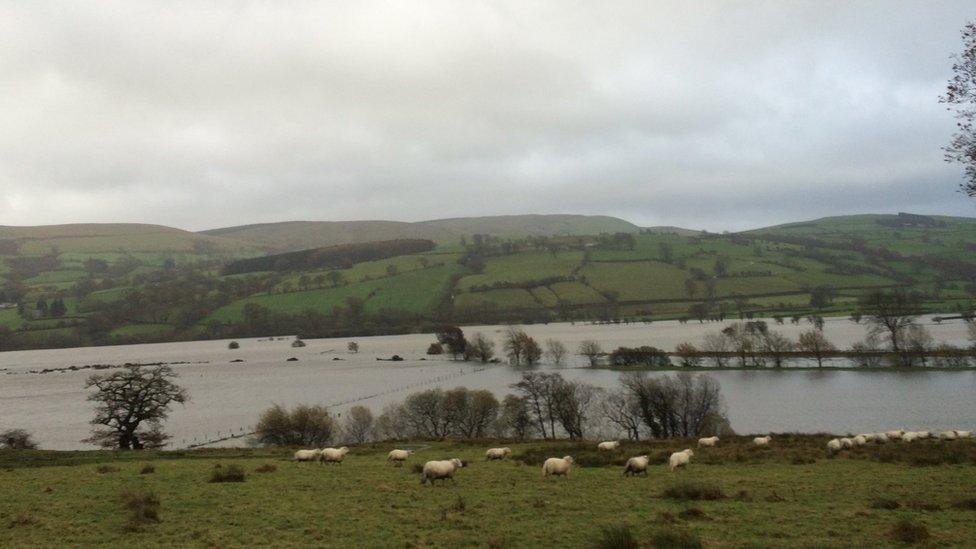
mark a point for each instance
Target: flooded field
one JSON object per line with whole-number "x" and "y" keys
{"x": 227, "y": 397}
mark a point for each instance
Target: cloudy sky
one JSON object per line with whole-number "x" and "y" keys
{"x": 715, "y": 115}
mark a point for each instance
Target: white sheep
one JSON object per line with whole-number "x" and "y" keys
{"x": 637, "y": 465}
{"x": 846, "y": 443}
{"x": 922, "y": 435}
{"x": 680, "y": 459}
{"x": 557, "y": 466}
{"x": 909, "y": 436}
{"x": 497, "y": 453}
{"x": 964, "y": 434}
{"x": 880, "y": 438}
{"x": 868, "y": 437}
{"x": 948, "y": 435}
{"x": 397, "y": 457}
{"x": 443, "y": 470}
{"x": 307, "y": 455}
{"x": 333, "y": 455}
{"x": 833, "y": 446}
{"x": 708, "y": 441}
{"x": 609, "y": 445}
{"x": 895, "y": 435}
{"x": 860, "y": 440}
{"x": 762, "y": 441}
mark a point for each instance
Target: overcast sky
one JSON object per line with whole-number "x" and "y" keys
{"x": 715, "y": 115}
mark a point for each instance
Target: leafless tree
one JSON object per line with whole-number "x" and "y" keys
{"x": 516, "y": 419}
{"x": 392, "y": 423}
{"x": 621, "y": 409}
{"x": 358, "y": 424}
{"x": 478, "y": 413}
{"x": 531, "y": 351}
{"x": 684, "y": 405}
{"x": 16, "y": 439}
{"x": 716, "y": 344}
{"x": 573, "y": 405}
{"x": 426, "y": 415}
{"x": 689, "y": 355}
{"x": 539, "y": 391}
{"x": 890, "y": 313}
{"x": 776, "y": 345}
{"x": 961, "y": 96}
{"x": 481, "y": 347}
{"x": 131, "y": 405}
{"x": 591, "y": 350}
{"x": 555, "y": 351}
{"x": 816, "y": 343}
{"x": 971, "y": 326}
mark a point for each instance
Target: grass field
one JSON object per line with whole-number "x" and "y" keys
{"x": 786, "y": 496}
{"x": 523, "y": 267}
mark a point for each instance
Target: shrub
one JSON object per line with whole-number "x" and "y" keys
{"x": 147, "y": 469}
{"x": 232, "y": 473}
{"x": 143, "y": 508}
{"x": 233, "y": 345}
{"x": 266, "y": 468}
{"x": 435, "y": 349}
{"x": 640, "y": 356}
{"x": 909, "y": 531}
{"x": 693, "y": 491}
{"x": 16, "y": 439}
{"x": 673, "y": 538}
{"x": 103, "y": 469}
{"x": 616, "y": 537}
{"x": 303, "y": 426}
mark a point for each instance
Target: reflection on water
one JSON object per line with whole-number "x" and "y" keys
{"x": 228, "y": 396}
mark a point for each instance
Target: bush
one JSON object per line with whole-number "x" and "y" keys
{"x": 616, "y": 537}
{"x": 103, "y": 469}
{"x": 640, "y": 356}
{"x": 303, "y": 426}
{"x": 435, "y": 349}
{"x": 147, "y": 469}
{"x": 909, "y": 531}
{"x": 16, "y": 439}
{"x": 266, "y": 468}
{"x": 693, "y": 491}
{"x": 233, "y": 345}
{"x": 143, "y": 508}
{"x": 232, "y": 473}
{"x": 673, "y": 538}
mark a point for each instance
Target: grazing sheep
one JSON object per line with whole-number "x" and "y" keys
{"x": 557, "y": 466}
{"x": 860, "y": 440}
{"x": 637, "y": 465}
{"x": 964, "y": 434}
{"x": 880, "y": 438}
{"x": 833, "y": 446}
{"x": 910, "y": 436}
{"x": 709, "y": 441}
{"x": 846, "y": 443}
{"x": 334, "y": 455}
{"x": 442, "y": 470}
{"x": 895, "y": 435}
{"x": 497, "y": 453}
{"x": 922, "y": 435}
{"x": 397, "y": 457}
{"x": 762, "y": 441}
{"x": 948, "y": 435}
{"x": 609, "y": 445}
{"x": 868, "y": 437}
{"x": 680, "y": 459}
{"x": 307, "y": 455}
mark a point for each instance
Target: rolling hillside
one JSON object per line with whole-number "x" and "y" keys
{"x": 298, "y": 235}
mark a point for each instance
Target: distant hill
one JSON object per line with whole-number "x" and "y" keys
{"x": 94, "y": 238}
{"x": 298, "y": 235}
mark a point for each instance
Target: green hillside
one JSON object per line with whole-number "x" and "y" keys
{"x": 298, "y": 235}
{"x": 164, "y": 283}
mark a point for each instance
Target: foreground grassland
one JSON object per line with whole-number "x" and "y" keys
{"x": 787, "y": 495}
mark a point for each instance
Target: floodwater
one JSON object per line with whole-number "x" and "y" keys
{"x": 227, "y": 397}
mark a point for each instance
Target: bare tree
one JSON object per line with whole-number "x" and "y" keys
{"x": 481, "y": 347}
{"x": 131, "y": 405}
{"x": 971, "y": 326}
{"x": 620, "y": 408}
{"x": 425, "y": 414}
{"x": 392, "y": 423}
{"x": 816, "y": 343}
{"x": 514, "y": 345}
{"x": 555, "y": 351}
{"x": 716, "y": 345}
{"x": 516, "y": 419}
{"x": 891, "y": 313}
{"x": 573, "y": 404}
{"x": 477, "y": 417}
{"x": 352, "y": 347}
{"x": 303, "y": 426}
{"x": 776, "y": 345}
{"x": 539, "y": 391}
{"x": 684, "y": 405}
{"x": 359, "y": 424}
{"x": 531, "y": 351}
{"x": 961, "y": 96}
{"x": 689, "y": 355}
{"x": 591, "y": 350}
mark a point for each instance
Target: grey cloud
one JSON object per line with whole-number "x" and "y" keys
{"x": 712, "y": 115}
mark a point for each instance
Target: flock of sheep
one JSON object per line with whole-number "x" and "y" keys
{"x": 445, "y": 469}
{"x": 835, "y": 445}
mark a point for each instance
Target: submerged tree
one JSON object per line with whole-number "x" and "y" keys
{"x": 303, "y": 426}
{"x": 961, "y": 97}
{"x": 890, "y": 313}
{"x": 816, "y": 343}
{"x": 132, "y": 405}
